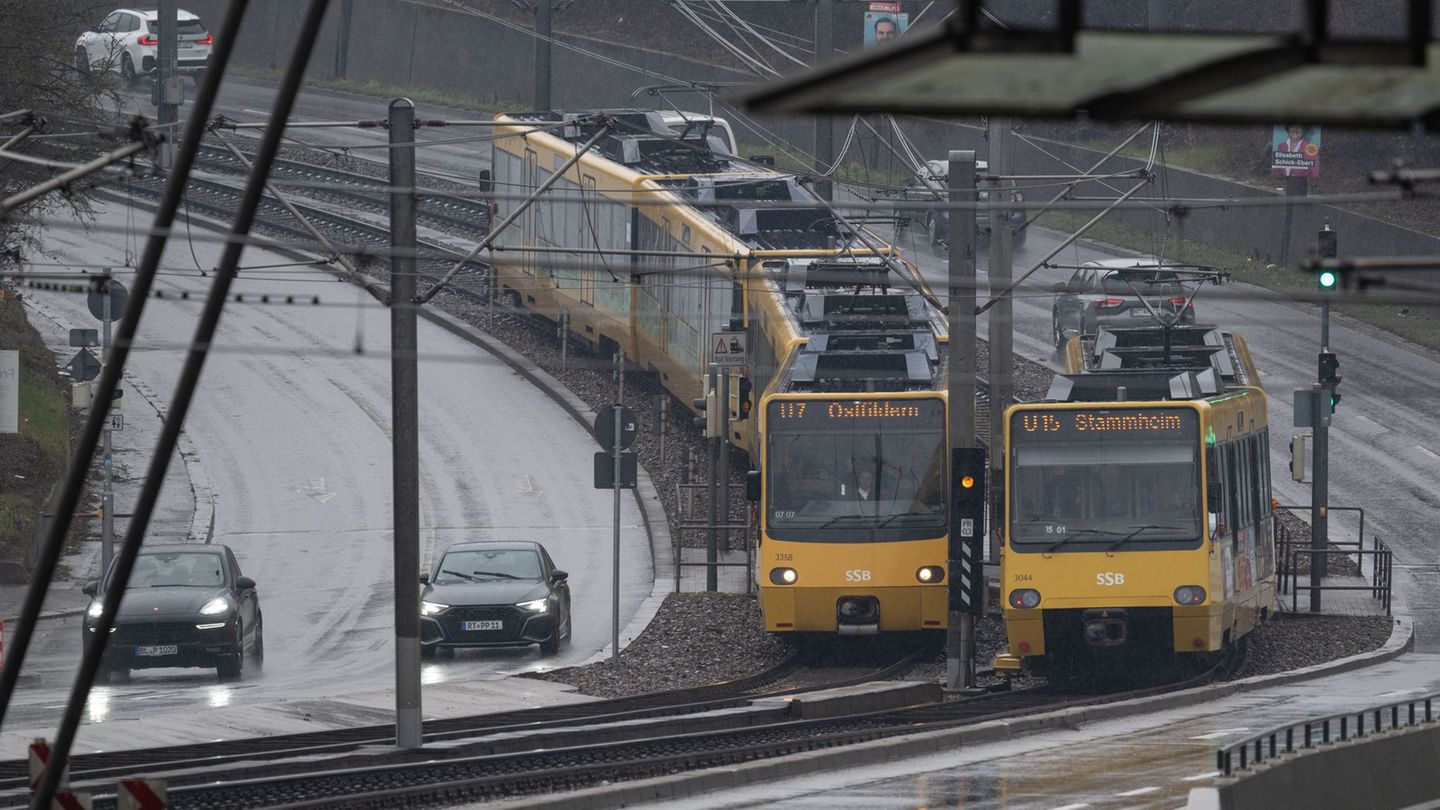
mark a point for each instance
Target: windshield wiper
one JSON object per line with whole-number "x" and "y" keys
{"x": 832, "y": 521}
{"x": 1070, "y": 538}
{"x": 457, "y": 574}
{"x": 1131, "y": 536}
{"x": 493, "y": 574}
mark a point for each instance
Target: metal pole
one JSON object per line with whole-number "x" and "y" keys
{"x": 542, "y": 54}
{"x": 824, "y": 124}
{"x": 564, "y": 338}
{"x": 285, "y": 95}
{"x": 107, "y": 494}
{"x": 724, "y": 400}
{"x": 1002, "y": 319}
{"x": 960, "y": 626}
{"x": 48, "y": 554}
{"x": 62, "y": 180}
{"x": 660, "y": 404}
{"x": 712, "y": 548}
{"x": 167, "y": 83}
{"x": 1319, "y": 495}
{"x": 405, "y": 424}
{"x": 615, "y": 565}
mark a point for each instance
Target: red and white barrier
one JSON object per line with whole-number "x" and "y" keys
{"x": 65, "y": 799}
{"x": 141, "y": 794}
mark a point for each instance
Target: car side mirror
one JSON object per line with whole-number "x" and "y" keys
{"x": 752, "y": 486}
{"x": 245, "y": 583}
{"x": 559, "y": 576}
{"x": 91, "y": 588}
{"x": 486, "y": 184}
{"x": 1063, "y": 286}
{"x": 425, "y": 578}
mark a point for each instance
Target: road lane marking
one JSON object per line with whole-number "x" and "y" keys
{"x": 1365, "y": 418}
{"x": 1138, "y": 792}
{"x": 1201, "y": 776}
{"x": 1071, "y": 806}
{"x": 1427, "y": 451}
{"x": 1224, "y": 732}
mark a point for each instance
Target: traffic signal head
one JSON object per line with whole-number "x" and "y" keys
{"x": 968, "y": 482}
{"x": 1329, "y": 366}
{"x": 1327, "y": 280}
{"x": 709, "y": 418}
{"x": 743, "y": 405}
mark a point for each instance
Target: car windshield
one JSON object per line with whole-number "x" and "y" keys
{"x": 177, "y": 569}
{"x": 474, "y": 565}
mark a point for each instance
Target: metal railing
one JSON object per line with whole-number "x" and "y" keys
{"x": 1289, "y": 553}
{"x": 691, "y": 498}
{"x": 1288, "y": 739}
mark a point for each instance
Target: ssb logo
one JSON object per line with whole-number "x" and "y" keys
{"x": 1110, "y": 578}
{"x": 857, "y": 575}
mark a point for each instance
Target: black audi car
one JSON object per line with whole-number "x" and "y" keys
{"x": 494, "y": 595}
{"x": 185, "y": 606}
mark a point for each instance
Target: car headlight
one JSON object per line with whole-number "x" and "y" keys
{"x": 431, "y": 608}
{"x": 534, "y": 605}
{"x": 219, "y": 604}
{"x": 95, "y": 609}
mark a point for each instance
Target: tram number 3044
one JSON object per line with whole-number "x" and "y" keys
{"x": 1110, "y": 578}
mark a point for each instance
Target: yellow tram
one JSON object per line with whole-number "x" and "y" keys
{"x": 658, "y": 238}
{"x": 1137, "y": 512}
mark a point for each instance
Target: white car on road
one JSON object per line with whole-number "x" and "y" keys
{"x": 127, "y": 41}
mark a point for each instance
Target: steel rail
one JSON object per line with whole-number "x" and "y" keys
{"x": 456, "y": 773}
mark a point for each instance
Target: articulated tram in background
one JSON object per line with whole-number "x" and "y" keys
{"x": 678, "y": 240}
{"x": 1137, "y": 510}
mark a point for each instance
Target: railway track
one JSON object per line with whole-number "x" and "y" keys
{"x": 548, "y": 726}
{"x": 635, "y": 739}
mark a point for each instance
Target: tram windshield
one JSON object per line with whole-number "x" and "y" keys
{"x": 1102, "y": 480}
{"x": 855, "y": 470}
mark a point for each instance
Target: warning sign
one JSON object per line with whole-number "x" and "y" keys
{"x": 727, "y": 349}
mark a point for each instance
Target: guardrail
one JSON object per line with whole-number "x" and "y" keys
{"x": 1288, "y": 739}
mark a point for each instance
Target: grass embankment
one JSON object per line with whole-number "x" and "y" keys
{"x": 1415, "y": 322}
{"x": 32, "y": 460}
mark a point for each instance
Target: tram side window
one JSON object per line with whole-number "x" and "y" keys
{"x": 1256, "y": 509}
{"x": 1232, "y": 486}
{"x": 1265, "y": 492}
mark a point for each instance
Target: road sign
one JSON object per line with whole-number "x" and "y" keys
{"x": 727, "y": 349}
{"x": 119, "y": 299}
{"x": 81, "y": 338}
{"x": 605, "y": 469}
{"x": 117, "y": 422}
{"x": 83, "y": 367}
{"x": 605, "y": 427}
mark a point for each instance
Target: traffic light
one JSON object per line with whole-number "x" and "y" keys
{"x": 742, "y": 402}
{"x": 968, "y": 472}
{"x": 1328, "y": 244}
{"x": 709, "y": 418}
{"x": 1329, "y": 378}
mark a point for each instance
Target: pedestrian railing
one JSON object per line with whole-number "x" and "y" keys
{"x": 1288, "y": 739}
{"x": 1379, "y": 555}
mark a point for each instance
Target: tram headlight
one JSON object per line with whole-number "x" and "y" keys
{"x": 1025, "y": 598}
{"x": 1189, "y": 595}
{"x": 783, "y": 576}
{"x": 931, "y": 574}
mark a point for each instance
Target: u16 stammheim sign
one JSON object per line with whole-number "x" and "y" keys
{"x": 9, "y": 391}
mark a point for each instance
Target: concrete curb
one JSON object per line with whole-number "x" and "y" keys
{"x": 647, "y": 497}
{"x": 680, "y": 786}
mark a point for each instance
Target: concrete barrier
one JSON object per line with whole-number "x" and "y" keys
{"x": 1388, "y": 771}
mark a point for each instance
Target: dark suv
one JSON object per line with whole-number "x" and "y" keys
{"x": 1115, "y": 292}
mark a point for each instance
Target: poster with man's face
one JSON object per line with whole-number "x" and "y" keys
{"x": 884, "y": 26}
{"x": 1295, "y": 151}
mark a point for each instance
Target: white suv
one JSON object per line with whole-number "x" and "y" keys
{"x": 128, "y": 39}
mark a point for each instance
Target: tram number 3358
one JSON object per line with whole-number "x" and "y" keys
{"x": 1110, "y": 578}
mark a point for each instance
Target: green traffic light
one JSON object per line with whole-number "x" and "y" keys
{"x": 1328, "y": 279}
